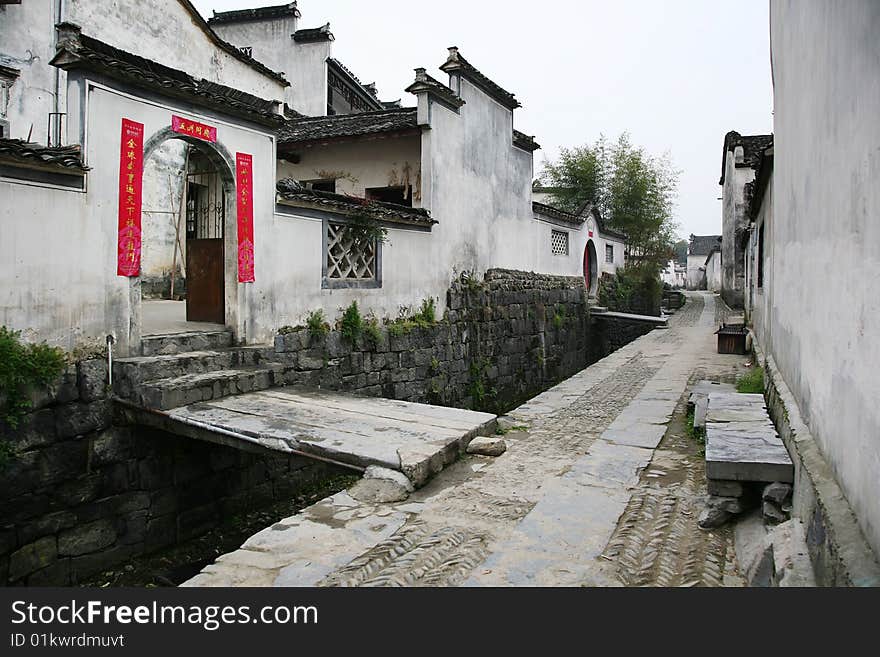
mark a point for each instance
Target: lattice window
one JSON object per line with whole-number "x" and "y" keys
{"x": 609, "y": 253}
{"x": 349, "y": 259}
{"x": 558, "y": 242}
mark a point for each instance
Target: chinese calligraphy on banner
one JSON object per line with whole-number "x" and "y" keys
{"x": 245, "y": 204}
{"x": 193, "y": 128}
{"x": 131, "y": 170}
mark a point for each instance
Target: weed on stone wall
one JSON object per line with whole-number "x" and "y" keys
{"x": 22, "y": 368}
{"x": 317, "y": 324}
{"x": 351, "y": 324}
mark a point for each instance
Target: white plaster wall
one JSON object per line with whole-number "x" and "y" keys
{"x": 161, "y": 207}
{"x": 824, "y": 328}
{"x": 733, "y": 214}
{"x": 271, "y": 42}
{"x": 27, "y": 38}
{"x": 163, "y": 31}
{"x": 52, "y": 266}
{"x": 292, "y": 267}
{"x": 361, "y": 165}
{"x": 59, "y": 248}
{"x": 713, "y": 272}
{"x": 695, "y": 271}
{"x": 308, "y": 77}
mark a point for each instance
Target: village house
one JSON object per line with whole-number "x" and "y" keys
{"x": 810, "y": 245}
{"x": 740, "y": 157}
{"x": 713, "y": 269}
{"x": 252, "y": 104}
{"x": 700, "y": 248}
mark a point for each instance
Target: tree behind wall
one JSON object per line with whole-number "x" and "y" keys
{"x": 634, "y": 191}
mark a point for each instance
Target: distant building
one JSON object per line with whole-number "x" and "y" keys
{"x": 739, "y": 159}
{"x": 713, "y": 269}
{"x": 699, "y": 248}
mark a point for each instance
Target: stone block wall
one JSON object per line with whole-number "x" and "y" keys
{"x": 502, "y": 341}
{"x": 79, "y": 495}
{"x": 611, "y": 333}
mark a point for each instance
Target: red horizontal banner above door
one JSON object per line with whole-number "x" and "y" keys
{"x": 193, "y": 128}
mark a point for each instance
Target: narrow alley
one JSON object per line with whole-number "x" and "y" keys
{"x": 600, "y": 485}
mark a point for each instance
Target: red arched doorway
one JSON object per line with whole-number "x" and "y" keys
{"x": 591, "y": 269}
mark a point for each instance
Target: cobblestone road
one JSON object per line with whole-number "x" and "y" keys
{"x": 600, "y": 486}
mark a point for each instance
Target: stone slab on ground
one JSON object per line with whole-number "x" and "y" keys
{"x": 741, "y": 441}
{"x": 416, "y": 439}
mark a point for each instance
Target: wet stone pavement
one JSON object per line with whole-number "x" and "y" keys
{"x": 600, "y": 486}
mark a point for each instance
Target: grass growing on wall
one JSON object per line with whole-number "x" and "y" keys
{"x": 351, "y": 325}
{"x": 23, "y": 367}
{"x": 751, "y": 382}
{"x": 317, "y": 324}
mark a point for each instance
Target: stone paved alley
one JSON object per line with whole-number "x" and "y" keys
{"x": 600, "y": 486}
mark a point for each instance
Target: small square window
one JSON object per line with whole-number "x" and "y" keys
{"x": 609, "y": 253}
{"x": 558, "y": 242}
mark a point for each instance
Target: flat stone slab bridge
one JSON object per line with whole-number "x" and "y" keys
{"x": 416, "y": 439}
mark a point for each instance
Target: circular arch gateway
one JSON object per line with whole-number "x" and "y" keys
{"x": 591, "y": 269}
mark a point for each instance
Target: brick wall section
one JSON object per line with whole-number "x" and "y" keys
{"x": 502, "y": 341}
{"x": 81, "y": 495}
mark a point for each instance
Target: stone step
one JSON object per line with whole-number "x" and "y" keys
{"x": 177, "y": 343}
{"x": 163, "y": 394}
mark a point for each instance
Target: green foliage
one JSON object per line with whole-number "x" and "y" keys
{"x": 428, "y": 312}
{"x": 365, "y": 229}
{"x": 633, "y": 289}
{"x": 482, "y": 394}
{"x": 406, "y": 322}
{"x": 680, "y": 250}
{"x": 635, "y": 192}
{"x": 317, "y": 324}
{"x": 22, "y": 367}
{"x": 751, "y": 382}
{"x": 559, "y": 317}
{"x": 697, "y": 434}
{"x": 352, "y": 324}
{"x": 372, "y": 331}
{"x": 434, "y": 367}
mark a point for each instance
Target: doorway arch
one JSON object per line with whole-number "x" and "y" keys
{"x": 208, "y": 219}
{"x": 591, "y": 269}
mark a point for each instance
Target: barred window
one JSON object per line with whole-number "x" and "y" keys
{"x": 559, "y": 242}
{"x": 349, "y": 262}
{"x": 609, "y": 253}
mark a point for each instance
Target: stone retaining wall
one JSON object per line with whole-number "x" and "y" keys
{"x": 612, "y": 333}
{"x": 502, "y": 341}
{"x": 80, "y": 495}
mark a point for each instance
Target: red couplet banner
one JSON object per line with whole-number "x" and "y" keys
{"x": 131, "y": 174}
{"x": 245, "y": 205}
{"x": 193, "y": 128}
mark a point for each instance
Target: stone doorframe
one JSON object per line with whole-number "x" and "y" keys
{"x": 221, "y": 158}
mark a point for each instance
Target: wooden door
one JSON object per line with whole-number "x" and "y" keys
{"x": 204, "y": 281}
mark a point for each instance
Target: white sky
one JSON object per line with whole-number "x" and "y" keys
{"x": 675, "y": 74}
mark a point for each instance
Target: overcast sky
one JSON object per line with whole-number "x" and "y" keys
{"x": 675, "y": 74}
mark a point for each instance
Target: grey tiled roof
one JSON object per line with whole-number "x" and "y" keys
{"x": 368, "y": 91}
{"x": 28, "y": 153}
{"x": 294, "y": 194}
{"x": 258, "y": 13}
{"x": 456, "y": 63}
{"x": 703, "y": 244}
{"x": 76, "y": 50}
{"x": 753, "y": 149}
{"x": 577, "y": 218}
{"x": 319, "y": 128}
{"x": 322, "y": 33}
{"x": 425, "y": 83}
{"x": 525, "y": 142}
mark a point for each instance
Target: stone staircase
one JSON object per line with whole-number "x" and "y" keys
{"x": 185, "y": 368}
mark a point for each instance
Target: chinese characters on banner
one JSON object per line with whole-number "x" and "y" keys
{"x": 131, "y": 170}
{"x": 193, "y": 128}
{"x": 245, "y": 204}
